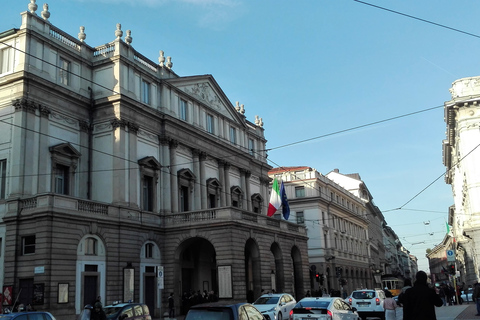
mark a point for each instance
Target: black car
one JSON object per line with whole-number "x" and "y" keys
{"x": 224, "y": 311}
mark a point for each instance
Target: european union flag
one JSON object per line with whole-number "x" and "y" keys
{"x": 285, "y": 206}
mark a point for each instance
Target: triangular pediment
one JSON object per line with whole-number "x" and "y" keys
{"x": 206, "y": 91}
{"x": 65, "y": 149}
{"x": 150, "y": 162}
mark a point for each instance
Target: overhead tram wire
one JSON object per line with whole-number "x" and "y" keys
{"x": 354, "y": 128}
{"x": 416, "y": 18}
{"x": 431, "y": 183}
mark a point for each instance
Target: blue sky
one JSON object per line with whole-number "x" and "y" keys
{"x": 311, "y": 68}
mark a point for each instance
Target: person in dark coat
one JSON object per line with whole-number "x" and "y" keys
{"x": 419, "y": 302}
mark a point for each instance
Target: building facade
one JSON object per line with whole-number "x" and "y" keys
{"x": 337, "y": 228}
{"x": 461, "y": 156}
{"x": 121, "y": 179}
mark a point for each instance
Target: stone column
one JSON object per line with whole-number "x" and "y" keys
{"x": 196, "y": 185}
{"x": 248, "y": 194}
{"x": 202, "y": 181}
{"x": 118, "y": 162}
{"x": 264, "y": 182}
{"x": 173, "y": 175}
{"x": 133, "y": 183}
{"x": 221, "y": 177}
{"x": 165, "y": 176}
{"x": 43, "y": 179}
{"x": 243, "y": 185}
{"x": 228, "y": 195}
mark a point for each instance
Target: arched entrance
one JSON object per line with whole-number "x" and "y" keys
{"x": 297, "y": 274}
{"x": 252, "y": 270}
{"x": 198, "y": 267}
{"x": 278, "y": 278}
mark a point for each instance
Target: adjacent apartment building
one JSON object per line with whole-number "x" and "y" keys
{"x": 461, "y": 155}
{"x": 121, "y": 179}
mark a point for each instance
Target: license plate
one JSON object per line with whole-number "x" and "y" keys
{"x": 363, "y": 303}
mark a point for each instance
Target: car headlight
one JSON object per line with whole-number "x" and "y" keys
{"x": 273, "y": 309}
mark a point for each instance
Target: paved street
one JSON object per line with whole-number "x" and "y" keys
{"x": 463, "y": 312}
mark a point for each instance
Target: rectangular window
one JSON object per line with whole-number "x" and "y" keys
{"x": 233, "y": 135}
{"x": 210, "y": 124}
{"x": 147, "y": 203}
{"x": 91, "y": 246}
{"x": 183, "y": 110}
{"x": 3, "y": 177}
{"x": 251, "y": 147}
{"x": 64, "y": 71}
{"x": 6, "y": 60}
{"x": 28, "y": 245}
{"x": 145, "y": 92}
{"x": 61, "y": 179}
{"x": 184, "y": 198}
{"x": 299, "y": 192}
{"x": 300, "y": 217}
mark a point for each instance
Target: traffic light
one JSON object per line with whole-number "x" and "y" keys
{"x": 321, "y": 279}
{"x": 451, "y": 268}
{"x": 317, "y": 277}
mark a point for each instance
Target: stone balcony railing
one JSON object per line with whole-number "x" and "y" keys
{"x": 101, "y": 211}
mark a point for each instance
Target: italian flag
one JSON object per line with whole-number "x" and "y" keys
{"x": 275, "y": 199}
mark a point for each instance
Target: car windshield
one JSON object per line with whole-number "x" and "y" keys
{"x": 313, "y": 304}
{"x": 363, "y": 295}
{"x": 209, "y": 313}
{"x": 111, "y": 312}
{"x": 267, "y": 300}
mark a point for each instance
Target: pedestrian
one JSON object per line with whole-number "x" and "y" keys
{"x": 406, "y": 285}
{"x": 97, "y": 312}
{"x": 420, "y": 300}
{"x": 476, "y": 296}
{"x": 171, "y": 306}
{"x": 390, "y": 306}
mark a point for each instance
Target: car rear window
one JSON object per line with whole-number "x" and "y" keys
{"x": 363, "y": 295}
{"x": 267, "y": 300}
{"x": 209, "y": 313}
{"x": 312, "y": 304}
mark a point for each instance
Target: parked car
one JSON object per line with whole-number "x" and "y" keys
{"x": 467, "y": 296}
{"x": 30, "y": 315}
{"x": 224, "y": 311}
{"x": 368, "y": 302}
{"x": 127, "y": 311}
{"x": 325, "y": 308}
{"x": 275, "y": 306}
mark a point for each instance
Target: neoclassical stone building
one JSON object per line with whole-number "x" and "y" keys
{"x": 122, "y": 179}
{"x": 461, "y": 155}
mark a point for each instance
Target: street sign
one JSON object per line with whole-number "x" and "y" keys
{"x": 160, "y": 277}
{"x": 450, "y": 255}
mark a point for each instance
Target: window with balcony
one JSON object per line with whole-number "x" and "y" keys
{"x": 214, "y": 188}
{"x": 64, "y": 71}
{"x": 28, "y": 245}
{"x": 149, "y": 173}
{"x": 210, "y": 124}
{"x": 257, "y": 202}
{"x": 183, "y": 110}
{"x": 237, "y": 196}
{"x": 6, "y": 60}
{"x": 186, "y": 181}
{"x": 64, "y": 163}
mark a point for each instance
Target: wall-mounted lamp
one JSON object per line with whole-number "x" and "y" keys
{"x": 328, "y": 258}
